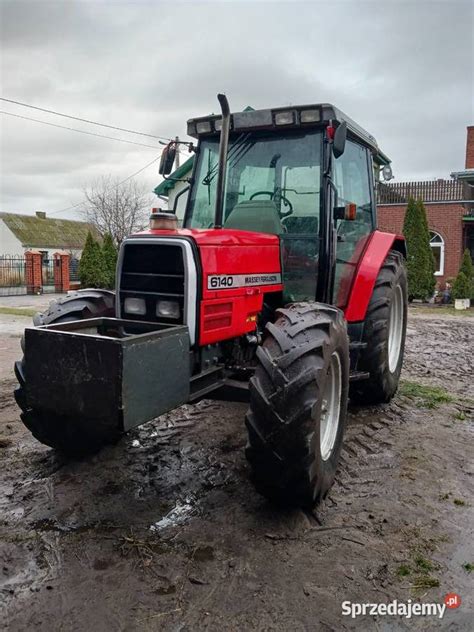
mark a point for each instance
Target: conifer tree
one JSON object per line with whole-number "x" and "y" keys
{"x": 467, "y": 268}
{"x": 420, "y": 260}
{"x": 463, "y": 286}
{"x": 91, "y": 265}
{"x": 109, "y": 255}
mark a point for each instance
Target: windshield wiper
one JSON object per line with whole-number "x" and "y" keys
{"x": 234, "y": 153}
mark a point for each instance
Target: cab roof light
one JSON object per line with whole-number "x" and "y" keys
{"x": 285, "y": 118}
{"x": 310, "y": 116}
{"x": 203, "y": 127}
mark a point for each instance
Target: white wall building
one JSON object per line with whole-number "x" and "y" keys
{"x": 19, "y": 233}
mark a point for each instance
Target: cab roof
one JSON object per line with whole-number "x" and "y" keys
{"x": 291, "y": 117}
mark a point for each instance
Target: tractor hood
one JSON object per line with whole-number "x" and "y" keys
{"x": 213, "y": 237}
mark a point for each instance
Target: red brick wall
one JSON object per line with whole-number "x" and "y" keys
{"x": 470, "y": 147}
{"x": 34, "y": 275}
{"x": 61, "y": 272}
{"x": 445, "y": 219}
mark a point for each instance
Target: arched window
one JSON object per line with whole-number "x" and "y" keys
{"x": 437, "y": 245}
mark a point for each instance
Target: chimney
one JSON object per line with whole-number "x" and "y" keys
{"x": 470, "y": 147}
{"x": 41, "y": 214}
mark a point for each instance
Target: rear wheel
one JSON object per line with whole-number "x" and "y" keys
{"x": 384, "y": 333}
{"x": 298, "y": 403}
{"x": 69, "y": 435}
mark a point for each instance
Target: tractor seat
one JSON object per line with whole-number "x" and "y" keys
{"x": 260, "y": 216}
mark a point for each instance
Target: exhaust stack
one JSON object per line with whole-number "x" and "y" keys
{"x": 223, "y": 144}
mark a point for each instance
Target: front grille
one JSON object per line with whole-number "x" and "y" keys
{"x": 152, "y": 272}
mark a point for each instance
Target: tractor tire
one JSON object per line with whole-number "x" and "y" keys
{"x": 68, "y": 435}
{"x": 298, "y": 404}
{"x": 384, "y": 333}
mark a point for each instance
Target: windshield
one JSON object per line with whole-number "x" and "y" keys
{"x": 272, "y": 183}
{"x": 272, "y": 186}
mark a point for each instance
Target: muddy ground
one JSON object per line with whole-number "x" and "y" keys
{"x": 164, "y": 531}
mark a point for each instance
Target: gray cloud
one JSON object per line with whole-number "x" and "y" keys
{"x": 403, "y": 69}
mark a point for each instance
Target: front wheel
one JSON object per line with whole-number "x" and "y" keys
{"x": 298, "y": 404}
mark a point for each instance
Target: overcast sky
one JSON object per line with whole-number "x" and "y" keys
{"x": 402, "y": 69}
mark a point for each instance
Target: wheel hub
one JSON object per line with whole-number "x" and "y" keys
{"x": 395, "y": 329}
{"x": 330, "y": 407}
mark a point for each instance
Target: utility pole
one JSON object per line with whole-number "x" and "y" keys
{"x": 176, "y": 160}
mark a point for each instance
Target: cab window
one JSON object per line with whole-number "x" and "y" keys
{"x": 351, "y": 177}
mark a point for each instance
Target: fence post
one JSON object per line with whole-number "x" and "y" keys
{"x": 61, "y": 271}
{"x": 33, "y": 273}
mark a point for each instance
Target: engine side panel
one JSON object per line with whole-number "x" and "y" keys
{"x": 235, "y": 279}
{"x": 368, "y": 269}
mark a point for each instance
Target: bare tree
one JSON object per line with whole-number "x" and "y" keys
{"x": 117, "y": 208}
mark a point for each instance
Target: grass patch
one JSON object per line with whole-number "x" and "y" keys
{"x": 459, "y": 502}
{"x": 423, "y": 565}
{"x": 425, "y": 581}
{"x": 403, "y": 570}
{"x": 18, "y": 311}
{"x": 445, "y": 310}
{"x": 468, "y": 567}
{"x": 427, "y": 396}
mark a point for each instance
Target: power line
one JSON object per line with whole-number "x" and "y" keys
{"x": 73, "y": 129}
{"x": 68, "y": 208}
{"x": 77, "y": 118}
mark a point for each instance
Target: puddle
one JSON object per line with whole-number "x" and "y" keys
{"x": 178, "y": 515}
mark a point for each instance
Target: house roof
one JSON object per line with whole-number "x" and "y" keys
{"x": 37, "y": 232}
{"x": 466, "y": 175}
{"x": 178, "y": 174}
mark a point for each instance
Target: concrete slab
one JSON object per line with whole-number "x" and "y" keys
{"x": 29, "y": 301}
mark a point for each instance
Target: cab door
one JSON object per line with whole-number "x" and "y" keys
{"x": 353, "y": 180}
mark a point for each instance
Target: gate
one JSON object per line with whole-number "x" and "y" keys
{"x": 12, "y": 275}
{"x": 34, "y": 273}
{"x": 47, "y": 273}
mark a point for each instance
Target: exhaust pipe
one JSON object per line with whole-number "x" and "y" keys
{"x": 223, "y": 144}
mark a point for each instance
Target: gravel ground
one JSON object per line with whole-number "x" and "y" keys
{"x": 163, "y": 531}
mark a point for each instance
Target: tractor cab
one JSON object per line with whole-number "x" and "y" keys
{"x": 286, "y": 172}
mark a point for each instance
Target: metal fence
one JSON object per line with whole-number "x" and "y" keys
{"x": 427, "y": 190}
{"x": 73, "y": 270}
{"x": 12, "y": 275}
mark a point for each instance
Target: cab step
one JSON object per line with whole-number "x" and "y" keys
{"x": 355, "y": 376}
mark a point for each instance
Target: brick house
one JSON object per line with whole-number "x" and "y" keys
{"x": 449, "y": 207}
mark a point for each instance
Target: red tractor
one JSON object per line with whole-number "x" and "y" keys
{"x": 278, "y": 288}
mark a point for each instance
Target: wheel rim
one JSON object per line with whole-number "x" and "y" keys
{"x": 395, "y": 329}
{"x": 330, "y": 407}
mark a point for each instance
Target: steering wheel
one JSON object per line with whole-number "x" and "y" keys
{"x": 271, "y": 194}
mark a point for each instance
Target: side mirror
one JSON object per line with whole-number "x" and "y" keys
{"x": 168, "y": 156}
{"x": 339, "y": 140}
{"x": 387, "y": 173}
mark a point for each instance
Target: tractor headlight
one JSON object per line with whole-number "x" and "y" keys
{"x": 310, "y": 116}
{"x": 167, "y": 309}
{"x": 284, "y": 118}
{"x": 203, "y": 127}
{"x": 134, "y": 306}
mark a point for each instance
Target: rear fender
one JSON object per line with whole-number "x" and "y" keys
{"x": 374, "y": 255}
